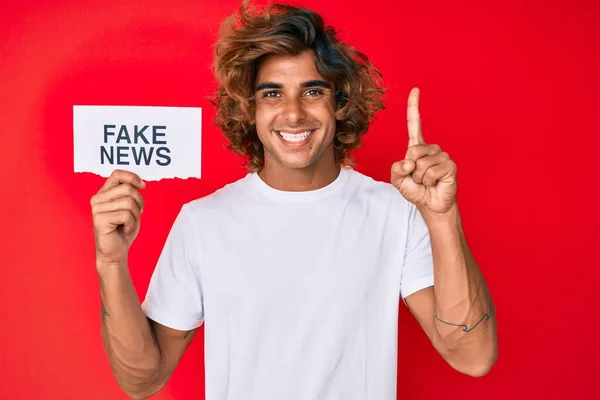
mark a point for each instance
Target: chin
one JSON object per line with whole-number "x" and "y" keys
{"x": 295, "y": 162}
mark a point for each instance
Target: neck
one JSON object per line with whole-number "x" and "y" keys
{"x": 304, "y": 179}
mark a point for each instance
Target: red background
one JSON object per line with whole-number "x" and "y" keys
{"x": 510, "y": 90}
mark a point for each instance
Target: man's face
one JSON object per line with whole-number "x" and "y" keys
{"x": 295, "y": 111}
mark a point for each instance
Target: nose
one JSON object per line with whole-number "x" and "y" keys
{"x": 293, "y": 110}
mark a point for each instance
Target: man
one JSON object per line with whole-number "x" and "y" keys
{"x": 297, "y": 268}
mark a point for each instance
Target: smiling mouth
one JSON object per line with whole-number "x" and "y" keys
{"x": 295, "y": 137}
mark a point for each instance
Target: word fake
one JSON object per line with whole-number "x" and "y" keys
{"x": 119, "y": 145}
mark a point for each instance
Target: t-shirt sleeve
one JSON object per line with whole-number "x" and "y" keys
{"x": 417, "y": 272}
{"x": 174, "y": 297}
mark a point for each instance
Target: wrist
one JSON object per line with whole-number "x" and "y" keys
{"x": 104, "y": 264}
{"x": 450, "y": 218}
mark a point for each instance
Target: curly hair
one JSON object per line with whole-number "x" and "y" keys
{"x": 245, "y": 39}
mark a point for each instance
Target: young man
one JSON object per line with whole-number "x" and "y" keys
{"x": 297, "y": 269}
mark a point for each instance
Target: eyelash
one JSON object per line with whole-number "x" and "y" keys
{"x": 319, "y": 92}
{"x": 267, "y": 94}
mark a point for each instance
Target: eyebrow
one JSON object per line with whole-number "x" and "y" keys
{"x": 307, "y": 84}
{"x": 317, "y": 83}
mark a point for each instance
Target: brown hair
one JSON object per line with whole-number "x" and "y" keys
{"x": 283, "y": 29}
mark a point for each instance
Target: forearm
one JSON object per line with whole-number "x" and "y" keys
{"x": 130, "y": 344}
{"x": 465, "y": 325}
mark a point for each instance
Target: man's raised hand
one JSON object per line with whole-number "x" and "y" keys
{"x": 427, "y": 176}
{"x": 116, "y": 211}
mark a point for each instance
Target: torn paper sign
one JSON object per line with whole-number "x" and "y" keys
{"x": 153, "y": 142}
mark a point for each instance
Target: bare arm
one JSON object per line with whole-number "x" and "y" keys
{"x": 143, "y": 354}
{"x": 132, "y": 349}
{"x": 457, "y": 314}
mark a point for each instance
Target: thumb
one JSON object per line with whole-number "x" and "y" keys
{"x": 401, "y": 169}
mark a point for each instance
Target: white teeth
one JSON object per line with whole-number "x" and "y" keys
{"x": 295, "y": 137}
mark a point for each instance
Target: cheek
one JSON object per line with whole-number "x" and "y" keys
{"x": 265, "y": 115}
{"x": 262, "y": 120}
{"x": 327, "y": 117}
{"x": 323, "y": 111}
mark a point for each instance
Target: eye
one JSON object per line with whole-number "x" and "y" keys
{"x": 271, "y": 94}
{"x": 314, "y": 92}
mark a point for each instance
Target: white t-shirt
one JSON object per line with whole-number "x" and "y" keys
{"x": 299, "y": 291}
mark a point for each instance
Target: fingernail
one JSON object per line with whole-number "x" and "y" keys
{"x": 405, "y": 166}
{"x": 143, "y": 185}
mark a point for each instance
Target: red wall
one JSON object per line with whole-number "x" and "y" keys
{"x": 510, "y": 90}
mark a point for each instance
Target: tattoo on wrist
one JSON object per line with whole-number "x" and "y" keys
{"x": 105, "y": 312}
{"x": 465, "y": 328}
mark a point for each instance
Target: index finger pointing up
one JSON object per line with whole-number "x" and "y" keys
{"x": 413, "y": 119}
